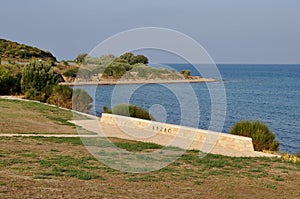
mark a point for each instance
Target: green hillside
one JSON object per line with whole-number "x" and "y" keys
{"x": 16, "y": 51}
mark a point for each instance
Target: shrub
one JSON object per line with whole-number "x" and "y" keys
{"x": 290, "y": 157}
{"x": 66, "y": 63}
{"x": 129, "y": 111}
{"x": 38, "y": 76}
{"x": 185, "y": 73}
{"x": 80, "y": 58}
{"x": 262, "y": 137}
{"x": 61, "y": 96}
{"x": 71, "y": 73}
{"x": 84, "y": 74}
{"x": 134, "y": 59}
{"x": 4, "y": 78}
{"x": 81, "y": 100}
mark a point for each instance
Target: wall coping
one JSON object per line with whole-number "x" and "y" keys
{"x": 177, "y": 126}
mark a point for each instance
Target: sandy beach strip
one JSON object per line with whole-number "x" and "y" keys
{"x": 108, "y": 82}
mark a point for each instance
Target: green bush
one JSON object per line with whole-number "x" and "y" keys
{"x": 38, "y": 78}
{"x": 80, "y": 58}
{"x": 71, "y": 73}
{"x": 81, "y": 100}
{"x": 185, "y": 73}
{"x": 84, "y": 74}
{"x": 134, "y": 59}
{"x": 61, "y": 96}
{"x": 129, "y": 111}
{"x": 262, "y": 137}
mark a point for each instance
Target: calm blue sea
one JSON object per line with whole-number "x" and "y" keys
{"x": 269, "y": 93}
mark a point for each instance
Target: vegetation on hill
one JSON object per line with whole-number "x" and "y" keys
{"x": 16, "y": 51}
{"x": 262, "y": 137}
{"x": 40, "y": 82}
{"x": 29, "y": 71}
{"x": 126, "y": 67}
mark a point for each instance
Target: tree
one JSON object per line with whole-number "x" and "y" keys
{"x": 38, "y": 78}
{"x": 127, "y": 56}
{"x": 186, "y": 73}
{"x": 132, "y": 59}
{"x": 138, "y": 59}
{"x": 80, "y": 58}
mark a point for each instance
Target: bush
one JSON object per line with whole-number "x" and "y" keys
{"x": 186, "y": 73}
{"x": 66, "y": 63}
{"x": 71, "y": 73}
{"x": 80, "y": 58}
{"x": 38, "y": 78}
{"x": 129, "y": 111}
{"x": 81, "y": 101}
{"x": 134, "y": 59}
{"x": 61, "y": 96}
{"x": 262, "y": 137}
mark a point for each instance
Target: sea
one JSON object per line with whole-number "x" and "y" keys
{"x": 268, "y": 93}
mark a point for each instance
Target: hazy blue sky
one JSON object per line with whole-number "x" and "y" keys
{"x": 232, "y": 31}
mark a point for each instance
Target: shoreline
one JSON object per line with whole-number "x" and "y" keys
{"x": 107, "y": 82}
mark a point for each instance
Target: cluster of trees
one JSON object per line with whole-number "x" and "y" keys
{"x": 107, "y": 65}
{"x": 9, "y": 49}
{"x": 124, "y": 63}
{"x": 134, "y": 59}
{"x": 38, "y": 81}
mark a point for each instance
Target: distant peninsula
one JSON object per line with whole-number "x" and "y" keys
{"x": 86, "y": 70}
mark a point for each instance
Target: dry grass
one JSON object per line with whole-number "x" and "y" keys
{"x": 38, "y": 167}
{"x": 31, "y": 117}
{"x": 62, "y": 167}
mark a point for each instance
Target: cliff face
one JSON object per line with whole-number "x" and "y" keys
{"x": 16, "y": 51}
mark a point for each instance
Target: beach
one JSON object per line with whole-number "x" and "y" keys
{"x": 113, "y": 82}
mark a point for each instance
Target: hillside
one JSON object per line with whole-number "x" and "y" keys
{"x": 125, "y": 68}
{"x": 106, "y": 68}
{"x": 15, "y": 51}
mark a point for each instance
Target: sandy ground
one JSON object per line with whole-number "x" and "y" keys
{"x": 106, "y": 82}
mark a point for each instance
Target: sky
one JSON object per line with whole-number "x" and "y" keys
{"x": 231, "y": 31}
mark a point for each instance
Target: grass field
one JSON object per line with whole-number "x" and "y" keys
{"x": 39, "y": 167}
{"x": 20, "y": 117}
